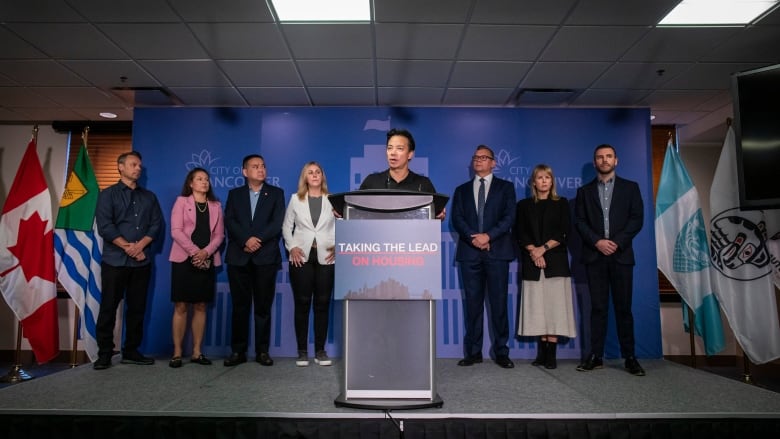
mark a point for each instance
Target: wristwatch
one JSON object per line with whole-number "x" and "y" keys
{"x": 546, "y": 247}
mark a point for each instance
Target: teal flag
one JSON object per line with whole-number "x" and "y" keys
{"x": 683, "y": 249}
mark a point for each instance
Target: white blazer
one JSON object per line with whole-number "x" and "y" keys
{"x": 299, "y": 230}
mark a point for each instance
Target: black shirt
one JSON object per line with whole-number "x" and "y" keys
{"x": 413, "y": 182}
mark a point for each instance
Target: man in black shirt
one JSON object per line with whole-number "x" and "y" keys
{"x": 400, "y": 150}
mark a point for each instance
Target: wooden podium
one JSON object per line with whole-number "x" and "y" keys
{"x": 389, "y": 319}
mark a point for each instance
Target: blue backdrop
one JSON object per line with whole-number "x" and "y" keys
{"x": 350, "y": 143}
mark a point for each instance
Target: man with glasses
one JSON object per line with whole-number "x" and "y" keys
{"x": 483, "y": 211}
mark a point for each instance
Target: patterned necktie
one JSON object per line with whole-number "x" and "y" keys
{"x": 481, "y": 204}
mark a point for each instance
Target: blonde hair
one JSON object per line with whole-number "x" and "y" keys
{"x": 303, "y": 187}
{"x": 543, "y": 168}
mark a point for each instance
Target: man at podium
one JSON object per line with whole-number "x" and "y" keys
{"x": 400, "y": 150}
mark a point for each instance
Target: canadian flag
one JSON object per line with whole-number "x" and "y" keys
{"x": 27, "y": 278}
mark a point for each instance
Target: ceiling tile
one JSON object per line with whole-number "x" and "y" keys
{"x": 241, "y": 40}
{"x": 410, "y": 96}
{"x": 16, "y": 48}
{"x": 620, "y": 12}
{"x": 330, "y": 96}
{"x": 563, "y": 75}
{"x": 677, "y": 44}
{"x": 145, "y": 41}
{"x": 110, "y": 73}
{"x": 337, "y": 73}
{"x": 261, "y": 73}
{"x": 704, "y": 76}
{"x": 606, "y": 97}
{"x": 678, "y": 100}
{"x": 126, "y": 11}
{"x": 55, "y": 113}
{"x": 211, "y": 11}
{"x": 502, "y": 74}
{"x": 417, "y": 41}
{"x": 415, "y": 11}
{"x": 717, "y": 102}
{"x": 68, "y": 40}
{"x": 210, "y": 96}
{"x": 591, "y": 43}
{"x": 312, "y": 41}
{"x": 86, "y": 97}
{"x": 508, "y": 43}
{"x": 39, "y": 72}
{"x": 478, "y": 96}
{"x": 750, "y": 44}
{"x": 640, "y": 75}
{"x": 412, "y": 73}
{"x": 187, "y": 73}
{"x": 23, "y": 98}
{"x": 520, "y": 12}
{"x": 122, "y": 113}
{"x": 275, "y": 96}
{"x": 36, "y": 11}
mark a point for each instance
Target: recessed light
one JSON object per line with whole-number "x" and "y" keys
{"x": 652, "y": 117}
{"x": 322, "y": 11}
{"x": 107, "y": 115}
{"x": 717, "y": 12}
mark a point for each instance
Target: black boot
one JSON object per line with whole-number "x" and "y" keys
{"x": 541, "y": 353}
{"x": 550, "y": 360}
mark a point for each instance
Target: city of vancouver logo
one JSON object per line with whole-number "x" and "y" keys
{"x": 202, "y": 159}
{"x": 739, "y": 249}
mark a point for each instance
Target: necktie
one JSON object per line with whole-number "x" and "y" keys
{"x": 481, "y": 203}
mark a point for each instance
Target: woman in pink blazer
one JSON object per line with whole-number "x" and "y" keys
{"x": 309, "y": 231}
{"x": 197, "y": 230}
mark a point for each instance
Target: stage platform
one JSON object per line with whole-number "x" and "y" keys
{"x": 479, "y": 401}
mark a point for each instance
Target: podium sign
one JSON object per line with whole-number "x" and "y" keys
{"x": 388, "y": 259}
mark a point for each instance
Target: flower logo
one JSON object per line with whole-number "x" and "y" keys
{"x": 201, "y": 160}
{"x": 503, "y": 160}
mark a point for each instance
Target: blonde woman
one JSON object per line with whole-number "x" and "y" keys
{"x": 309, "y": 231}
{"x": 541, "y": 228}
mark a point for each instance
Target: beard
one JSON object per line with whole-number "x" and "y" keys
{"x": 605, "y": 169}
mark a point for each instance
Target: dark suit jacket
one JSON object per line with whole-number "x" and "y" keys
{"x": 266, "y": 225}
{"x": 555, "y": 222}
{"x": 498, "y": 219}
{"x": 625, "y": 219}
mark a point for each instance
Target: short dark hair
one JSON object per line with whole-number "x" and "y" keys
{"x": 121, "y": 159}
{"x": 486, "y": 148}
{"x": 604, "y": 146}
{"x": 250, "y": 157}
{"x": 404, "y": 133}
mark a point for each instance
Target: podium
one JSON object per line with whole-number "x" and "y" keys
{"x": 388, "y": 273}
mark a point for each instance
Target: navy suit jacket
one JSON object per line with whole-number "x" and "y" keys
{"x": 499, "y": 216}
{"x": 625, "y": 219}
{"x": 266, "y": 225}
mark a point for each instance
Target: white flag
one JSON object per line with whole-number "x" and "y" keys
{"x": 743, "y": 263}
{"x": 683, "y": 251}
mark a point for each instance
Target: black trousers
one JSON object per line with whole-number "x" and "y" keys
{"x": 131, "y": 284}
{"x": 312, "y": 286}
{"x": 251, "y": 283}
{"x": 606, "y": 276}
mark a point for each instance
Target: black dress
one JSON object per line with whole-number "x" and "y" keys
{"x": 190, "y": 284}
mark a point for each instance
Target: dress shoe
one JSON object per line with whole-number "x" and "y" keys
{"x": 201, "y": 359}
{"x": 505, "y": 362}
{"x": 175, "y": 362}
{"x": 470, "y": 360}
{"x": 592, "y": 362}
{"x": 633, "y": 367}
{"x": 264, "y": 359}
{"x": 135, "y": 357}
{"x": 103, "y": 362}
{"x": 235, "y": 359}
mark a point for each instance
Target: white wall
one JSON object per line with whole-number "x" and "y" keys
{"x": 52, "y": 152}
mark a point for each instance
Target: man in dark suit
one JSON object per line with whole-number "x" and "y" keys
{"x": 483, "y": 211}
{"x": 253, "y": 219}
{"x": 608, "y": 214}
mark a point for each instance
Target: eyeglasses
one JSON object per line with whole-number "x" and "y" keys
{"x": 481, "y": 158}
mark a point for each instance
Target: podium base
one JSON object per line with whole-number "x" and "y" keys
{"x": 388, "y": 404}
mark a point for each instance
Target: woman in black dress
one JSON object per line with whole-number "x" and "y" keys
{"x": 197, "y": 230}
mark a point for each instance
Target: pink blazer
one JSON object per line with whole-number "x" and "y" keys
{"x": 183, "y": 224}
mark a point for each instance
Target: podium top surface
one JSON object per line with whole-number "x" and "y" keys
{"x": 377, "y": 199}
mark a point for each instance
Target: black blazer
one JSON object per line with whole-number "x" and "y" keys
{"x": 555, "y": 222}
{"x": 266, "y": 225}
{"x": 625, "y": 219}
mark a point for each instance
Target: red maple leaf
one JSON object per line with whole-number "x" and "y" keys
{"x": 35, "y": 248}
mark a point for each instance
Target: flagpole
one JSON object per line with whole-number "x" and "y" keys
{"x": 17, "y": 374}
{"x": 77, "y": 315}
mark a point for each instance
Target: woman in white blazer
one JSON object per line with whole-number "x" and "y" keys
{"x": 309, "y": 231}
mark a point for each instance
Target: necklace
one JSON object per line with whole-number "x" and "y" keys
{"x": 205, "y": 206}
